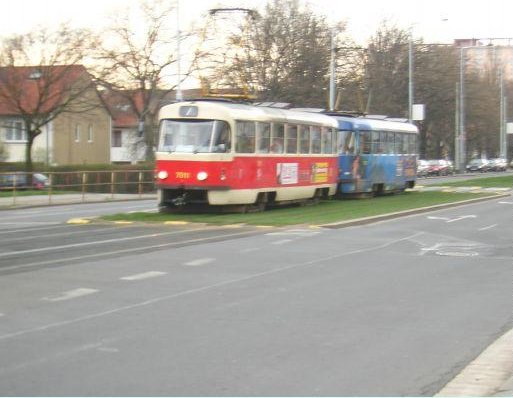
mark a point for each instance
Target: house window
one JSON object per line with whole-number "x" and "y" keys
{"x": 77, "y": 133}
{"x": 116, "y": 138}
{"x": 15, "y": 131}
{"x": 90, "y": 133}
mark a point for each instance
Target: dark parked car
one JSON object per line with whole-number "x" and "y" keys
{"x": 481, "y": 165}
{"x": 498, "y": 164}
{"x": 19, "y": 180}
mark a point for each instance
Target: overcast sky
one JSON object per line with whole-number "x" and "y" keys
{"x": 463, "y": 18}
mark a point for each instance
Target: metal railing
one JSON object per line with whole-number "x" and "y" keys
{"x": 48, "y": 187}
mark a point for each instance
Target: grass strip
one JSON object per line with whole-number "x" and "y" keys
{"x": 484, "y": 182}
{"x": 328, "y": 211}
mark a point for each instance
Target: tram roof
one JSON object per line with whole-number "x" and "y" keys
{"x": 367, "y": 124}
{"x": 209, "y": 109}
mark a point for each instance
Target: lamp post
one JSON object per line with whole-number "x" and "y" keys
{"x": 178, "y": 38}
{"x": 332, "y": 72}
{"x": 410, "y": 75}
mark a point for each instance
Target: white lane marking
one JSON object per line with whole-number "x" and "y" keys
{"x": 97, "y": 242}
{"x": 462, "y": 218}
{"x": 9, "y": 231}
{"x": 281, "y": 242}
{"x": 71, "y": 294}
{"x": 506, "y": 203}
{"x": 144, "y": 275}
{"x": 294, "y": 232}
{"x": 67, "y": 232}
{"x": 250, "y": 249}
{"x": 438, "y": 218}
{"x": 328, "y": 259}
{"x": 488, "y": 227}
{"x": 199, "y": 261}
{"x": 124, "y": 251}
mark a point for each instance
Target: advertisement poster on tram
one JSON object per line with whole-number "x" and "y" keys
{"x": 287, "y": 173}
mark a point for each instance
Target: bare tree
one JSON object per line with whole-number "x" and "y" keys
{"x": 136, "y": 60}
{"x": 283, "y": 55}
{"x": 42, "y": 76}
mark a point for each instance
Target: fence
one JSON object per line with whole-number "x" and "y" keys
{"x": 84, "y": 185}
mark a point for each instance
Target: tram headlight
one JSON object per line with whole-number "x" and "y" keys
{"x": 202, "y": 176}
{"x": 162, "y": 175}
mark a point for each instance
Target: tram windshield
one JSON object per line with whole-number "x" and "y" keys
{"x": 194, "y": 136}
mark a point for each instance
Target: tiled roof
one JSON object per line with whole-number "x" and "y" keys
{"x": 32, "y": 89}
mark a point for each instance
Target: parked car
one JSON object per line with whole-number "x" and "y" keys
{"x": 422, "y": 167}
{"x": 480, "y": 165}
{"x": 498, "y": 164}
{"x": 439, "y": 167}
{"x": 19, "y": 180}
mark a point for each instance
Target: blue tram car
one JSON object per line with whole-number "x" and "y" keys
{"x": 376, "y": 156}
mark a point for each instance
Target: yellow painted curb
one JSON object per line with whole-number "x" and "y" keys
{"x": 176, "y": 222}
{"x": 78, "y": 221}
{"x": 123, "y": 222}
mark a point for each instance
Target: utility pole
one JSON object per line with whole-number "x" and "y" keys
{"x": 178, "y": 55}
{"x": 332, "y": 72}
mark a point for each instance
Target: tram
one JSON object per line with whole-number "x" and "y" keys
{"x": 376, "y": 156}
{"x": 221, "y": 153}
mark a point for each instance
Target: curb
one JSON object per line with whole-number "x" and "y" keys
{"x": 490, "y": 374}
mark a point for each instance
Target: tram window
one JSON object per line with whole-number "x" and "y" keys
{"x": 222, "y": 140}
{"x": 277, "y": 137}
{"x": 327, "y": 139}
{"x": 315, "y": 135}
{"x": 346, "y": 142}
{"x": 186, "y": 135}
{"x": 245, "y": 135}
{"x": 291, "y": 139}
{"x": 365, "y": 144}
{"x": 390, "y": 143}
{"x": 399, "y": 142}
{"x": 263, "y": 137}
{"x": 377, "y": 143}
{"x": 412, "y": 143}
{"x": 304, "y": 139}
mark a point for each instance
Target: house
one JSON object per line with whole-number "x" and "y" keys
{"x": 127, "y": 144}
{"x": 75, "y": 124}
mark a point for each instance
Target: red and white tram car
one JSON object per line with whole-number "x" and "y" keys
{"x": 225, "y": 153}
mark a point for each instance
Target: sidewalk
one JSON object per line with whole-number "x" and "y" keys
{"x": 13, "y": 202}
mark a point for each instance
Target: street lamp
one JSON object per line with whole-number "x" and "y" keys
{"x": 178, "y": 38}
{"x": 410, "y": 75}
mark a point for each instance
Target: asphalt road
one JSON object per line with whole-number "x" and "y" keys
{"x": 392, "y": 308}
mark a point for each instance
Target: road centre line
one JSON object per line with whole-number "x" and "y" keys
{"x": 66, "y": 233}
{"x": 98, "y": 242}
{"x": 202, "y": 289}
{"x": 488, "y": 227}
{"x": 281, "y": 242}
{"x": 199, "y": 261}
{"x": 10, "y": 231}
{"x": 124, "y": 251}
{"x": 71, "y": 294}
{"x": 72, "y": 211}
{"x": 461, "y": 218}
{"x": 144, "y": 275}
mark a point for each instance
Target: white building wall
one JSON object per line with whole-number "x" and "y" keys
{"x": 131, "y": 150}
